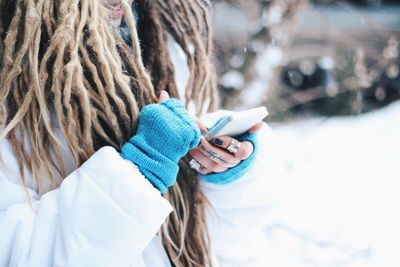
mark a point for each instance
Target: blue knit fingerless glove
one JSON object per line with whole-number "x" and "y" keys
{"x": 166, "y": 132}
{"x": 236, "y": 172}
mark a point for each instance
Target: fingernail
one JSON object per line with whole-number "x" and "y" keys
{"x": 218, "y": 142}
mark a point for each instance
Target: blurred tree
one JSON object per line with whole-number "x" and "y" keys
{"x": 342, "y": 61}
{"x": 250, "y": 46}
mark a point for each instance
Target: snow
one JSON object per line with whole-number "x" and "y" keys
{"x": 337, "y": 181}
{"x": 232, "y": 79}
{"x": 255, "y": 92}
{"x": 252, "y": 96}
{"x": 271, "y": 57}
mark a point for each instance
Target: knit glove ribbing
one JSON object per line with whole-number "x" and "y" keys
{"x": 166, "y": 132}
{"x": 236, "y": 172}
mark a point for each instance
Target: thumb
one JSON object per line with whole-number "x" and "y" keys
{"x": 203, "y": 128}
{"x": 256, "y": 127}
{"x": 163, "y": 96}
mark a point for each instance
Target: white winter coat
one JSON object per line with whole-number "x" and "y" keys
{"x": 106, "y": 213}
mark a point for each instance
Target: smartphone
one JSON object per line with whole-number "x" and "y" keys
{"x": 237, "y": 123}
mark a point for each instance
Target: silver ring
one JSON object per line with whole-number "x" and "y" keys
{"x": 234, "y": 146}
{"x": 194, "y": 164}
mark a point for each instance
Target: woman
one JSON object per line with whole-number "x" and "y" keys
{"x": 90, "y": 139}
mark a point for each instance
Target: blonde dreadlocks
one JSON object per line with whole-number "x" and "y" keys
{"x": 63, "y": 66}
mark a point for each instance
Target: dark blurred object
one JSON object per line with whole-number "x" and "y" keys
{"x": 310, "y": 86}
{"x": 309, "y": 73}
{"x": 360, "y": 48}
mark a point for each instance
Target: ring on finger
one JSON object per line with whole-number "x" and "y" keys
{"x": 194, "y": 164}
{"x": 234, "y": 146}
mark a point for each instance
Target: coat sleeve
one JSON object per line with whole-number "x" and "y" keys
{"x": 241, "y": 211}
{"x": 104, "y": 214}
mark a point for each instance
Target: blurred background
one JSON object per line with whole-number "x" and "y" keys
{"x": 308, "y": 57}
{"x": 328, "y": 72}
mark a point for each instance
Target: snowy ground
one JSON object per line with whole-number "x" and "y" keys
{"x": 337, "y": 182}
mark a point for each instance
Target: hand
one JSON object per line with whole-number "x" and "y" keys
{"x": 163, "y": 96}
{"x": 214, "y": 156}
{"x": 166, "y": 132}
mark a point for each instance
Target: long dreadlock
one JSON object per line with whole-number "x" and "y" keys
{"x": 64, "y": 67}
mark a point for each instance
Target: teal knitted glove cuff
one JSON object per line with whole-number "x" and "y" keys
{"x": 166, "y": 132}
{"x": 236, "y": 172}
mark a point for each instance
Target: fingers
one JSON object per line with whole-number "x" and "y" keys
{"x": 190, "y": 157}
{"x": 163, "y": 96}
{"x": 214, "y": 157}
{"x": 218, "y": 155}
{"x": 202, "y": 127}
{"x": 244, "y": 151}
{"x": 208, "y": 165}
{"x": 256, "y": 127}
